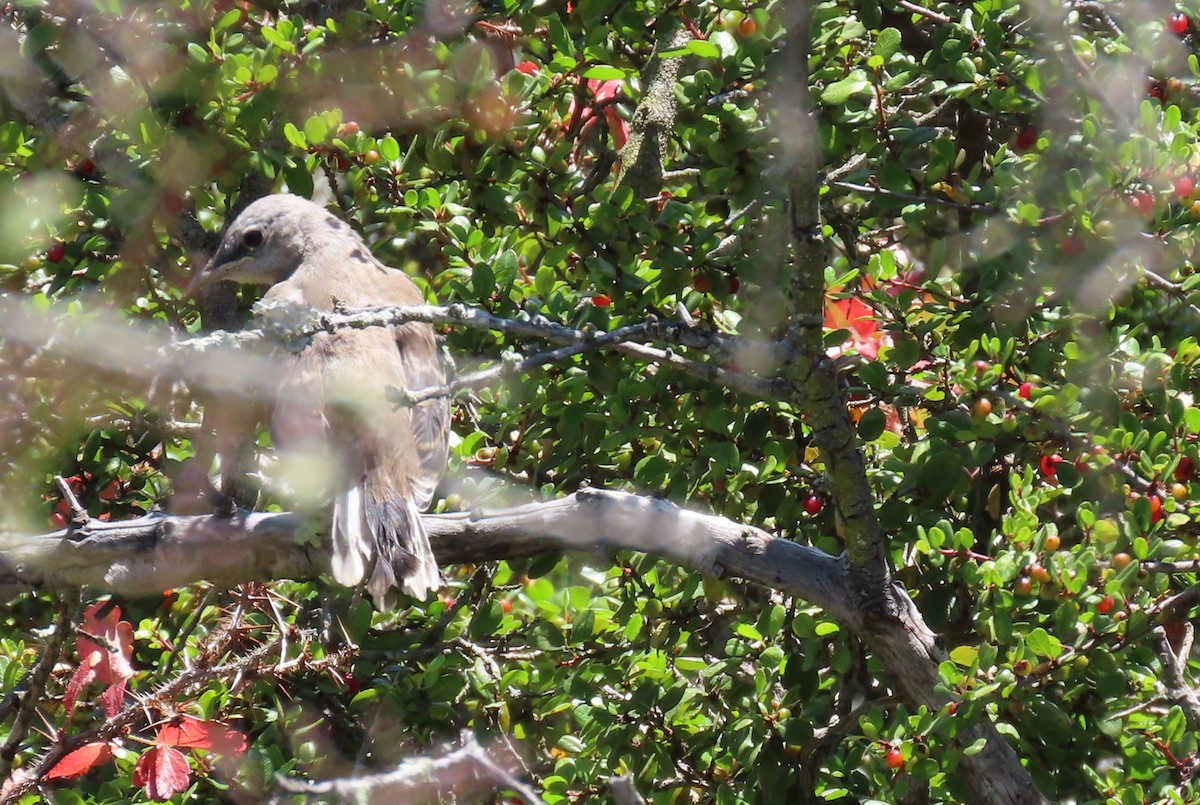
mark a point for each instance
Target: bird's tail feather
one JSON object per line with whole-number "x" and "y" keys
{"x": 402, "y": 554}
{"x": 352, "y": 541}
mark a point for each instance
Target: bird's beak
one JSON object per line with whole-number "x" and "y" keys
{"x": 200, "y": 279}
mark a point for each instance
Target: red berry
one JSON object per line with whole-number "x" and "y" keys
{"x": 1156, "y": 509}
{"x": 505, "y": 605}
{"x": 1024, "y": 586}
{"x": 85, "y": 167}
{"x": 173, "y": 204}
{"x": 348, "y": 129}
{"x": 1178, "y": 23}
{"x": 187, "y": 118}
{"x": 1184, "y": 186}
{"x": 1141, "y": 203}
{"x": 981, "y": 366}
{"x": 58, "y": 520}
{"x": 894, "y": 758}
{"x": 982, "y": 407}
{"x": 1072, "y": 245}
{"x": 1026, "y": 138}
{"x": 1157, "y": 90}
{"x": 601, "y": 301}
{"x": 747, "y": 26}
{"x": 1024, "y": 390}
{"x": 1106, "y": 604}
{"x": 702, "y": 283}
{"x": 734, "y": 285}
{"x": 813, "y": 505}
{"x": 353, "y": 685}
{"x": 1049, "y": 465}
{"x": 56, "y": 253}
{"x": 1185, "y": 470}
{"x": 1039, "y": 573}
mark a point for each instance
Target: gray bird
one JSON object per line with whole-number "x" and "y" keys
{"x": 336, "y": 400}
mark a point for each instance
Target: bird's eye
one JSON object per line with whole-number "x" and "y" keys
{"x": 252, "y": 238}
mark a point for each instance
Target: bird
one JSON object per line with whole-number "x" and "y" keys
{"x": 336, "y": 399}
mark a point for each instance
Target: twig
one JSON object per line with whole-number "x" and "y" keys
{"x": 1173, "y": 288}
{"x": 1177, "y": 688}
{"x": 924, "y": 12}
{"x": 77, "y": 510}
{"x": 913, "y": 197}
{"x": 450, "y": 776}
{"x": 31, "y": 696}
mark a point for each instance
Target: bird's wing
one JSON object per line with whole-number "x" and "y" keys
{"x": 421, "y": 367}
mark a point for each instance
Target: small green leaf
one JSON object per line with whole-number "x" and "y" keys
{"x": 1043, "y": 643}
{"x": 887, "y": 43}
{"x": 872, "y": 424}
{"x": 197, "y": 52}
{"x": 315, "y": 129}
{"x": 389, "y": 149}
{"x": 604, "y": 72}
{"x": 294, "y": 136}
{"x": 964, "y": 656}
{"x": 841, "y": 91}
{"x": 703, "y": 49}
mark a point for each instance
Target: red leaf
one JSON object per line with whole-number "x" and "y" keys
{"x": 858, "y": 317}
{"x": 83, "y": 675}
{"x": 117, "y": 649}
{"x": 80, "y": 761}
{"x": 113, "y": 697}
{"x": 618, "y": 127}
{"x": 194, "y": 733}
{"x": 528, "y": 67}
{"x": 162, "y": 772}
{"x": 605, "y": 90}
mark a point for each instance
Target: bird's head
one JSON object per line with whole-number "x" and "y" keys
{"x": 265, "y": 244}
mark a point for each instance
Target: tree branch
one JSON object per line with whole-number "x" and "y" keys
{"x": 157, "y": 552}
{"x": 238, "y": 364}
{"x": 644, "y": 154}
{"x": 468, "y": 773}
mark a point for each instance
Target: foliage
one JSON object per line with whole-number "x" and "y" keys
{"x": 1009, "y": 198}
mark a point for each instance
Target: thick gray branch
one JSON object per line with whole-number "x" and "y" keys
{"x": 643, "y": 155}
{"x": 158, "y": 552}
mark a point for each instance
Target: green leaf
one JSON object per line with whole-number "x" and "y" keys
{"x": 964, "y": 656}
{"x": 295, "y": 136}
{"x": 389, "y": 149}
{"x": 315, "y": 129}
{"x": 604, "y": 72}
{"x": 40, "y": 37}
{"x": 839, "y": 92}
{"x": 887, "y": 44}
{"x": 197, "y": 52}
{"x": 1043, "y": 643}
{"x": 872, "y": 424}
